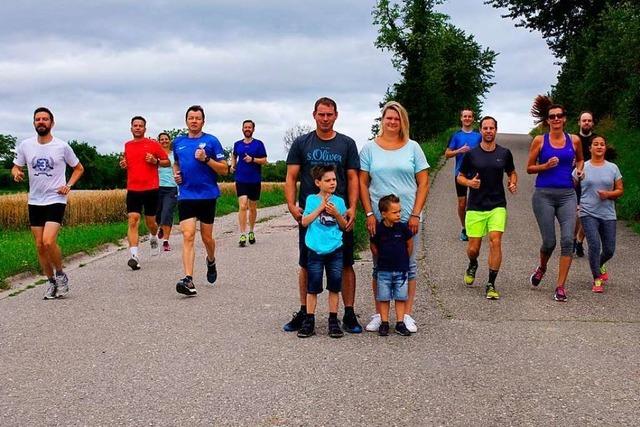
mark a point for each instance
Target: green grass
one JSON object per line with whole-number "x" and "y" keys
{"x": 626, "y": 144}
{"x": 18, "y": 254}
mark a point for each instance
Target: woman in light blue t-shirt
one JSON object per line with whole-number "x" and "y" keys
{"x": 167, "y": 194}
{"x": 394, "y": 164}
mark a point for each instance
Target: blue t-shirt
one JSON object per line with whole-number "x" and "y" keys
{"x": 248, "y": 172}
{"x": 392, "y": 246}
{"x": 199, "y": 181}
{"x": 393, "y": 171}
{"x": 460, "y": 139}
{"x": 323, "y": 234}
{"x": 165, "y": 174}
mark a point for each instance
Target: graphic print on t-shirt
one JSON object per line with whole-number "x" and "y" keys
{"x": 42, "y": 166}
{"x": 326, "y": 219}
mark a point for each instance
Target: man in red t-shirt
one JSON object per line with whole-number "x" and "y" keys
{"x": 142, "y": 156}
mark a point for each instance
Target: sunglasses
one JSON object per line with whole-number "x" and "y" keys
{"x": 555, "y": 116}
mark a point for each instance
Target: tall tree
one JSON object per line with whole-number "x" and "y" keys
{"x": 7, "y": 150}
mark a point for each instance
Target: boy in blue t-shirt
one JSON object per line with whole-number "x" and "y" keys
{"x": 391, "y": 245}
{"x": 324, "y": 218}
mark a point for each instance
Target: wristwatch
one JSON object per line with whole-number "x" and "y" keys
{"x": 369, "y": 214}
{"x": 206, "y": 159}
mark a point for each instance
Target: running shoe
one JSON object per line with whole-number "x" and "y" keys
{"x": 351, "y": 324}
{"x": 579, "y": 249}
{"x": 134, "y": 263}
{"x": 470, "y": 274}
{"x": 410, "y": 323}
{"x": 491, "y": 292}
{"x": 243, "y": 241}
{"x": 185, "y": 286}
{"x": 334, "y": 329}
{"x": 537, "y": 276}
{"x": 165, "y": 246}
{"x": 212, "y": 272}
{"x": 463, "y": 236}
{"x": 52, "y": 289}
{"x": 308, "y": 328}
{"x": 598, "y": 285}
{"x": 374, "y": 324}
{"x": 155, "y": 249}
{"x": 252, "y": 238}
{"x": 160, "y": 233}
{"x": 383, "y": 330}
{"x": 559, "y": 294}
{"x": 296, "y": 322}
{"x": 62, "y": 281}
{"x": 401, "y": 329}
{"x": 603, "y": 272}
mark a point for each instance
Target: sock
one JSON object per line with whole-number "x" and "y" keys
{"x": 59, "y": 273}
{"x": 333, "y": 316}
{"x": 188, "y": 277}
{"x": 211, "y": 262}
{"x": 348, "y": 311}
{"x": 492, "y": 276}
{"x": 134, "y": 251}
{"x": 303, "y": 309}
{"x": 384, "y": 323}
{"x": 399, "y": 323}
{"x": 153, "y": 236}
{"x": 52, "y": 279}
{"x": 311, "y": 316}
{"x": 473, "y": 262}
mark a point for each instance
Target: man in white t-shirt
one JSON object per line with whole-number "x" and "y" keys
{"x": 46, "y": 158}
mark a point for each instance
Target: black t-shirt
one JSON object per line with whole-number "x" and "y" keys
{"x": 309, "y": 151}
{"x": 392, "y": 246}
{"x": 586, "y": 144}
{"x": 491, "y": 165}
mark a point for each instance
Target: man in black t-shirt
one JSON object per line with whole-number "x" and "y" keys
{"x": 482, "y": 170}
{"x": 324, "y": 146}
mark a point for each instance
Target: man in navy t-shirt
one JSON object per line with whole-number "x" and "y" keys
{"x": 460, "y": 143}
{"x": 247, "y": 159}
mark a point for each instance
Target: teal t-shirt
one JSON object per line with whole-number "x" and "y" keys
{"x": 166, "y": 174}
{"x": 323, "y": 234}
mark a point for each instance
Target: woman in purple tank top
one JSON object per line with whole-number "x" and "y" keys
{"x": 553, "y": 156}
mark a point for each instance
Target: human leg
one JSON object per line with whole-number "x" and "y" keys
{"x": 608, "y": 236}
{"x": 253, "y": 214}
{"x": 188, "y": 227}
{"x": 243, "y": 205}
{"x": 590, "y": 226}
{"x": 566, "y": 214}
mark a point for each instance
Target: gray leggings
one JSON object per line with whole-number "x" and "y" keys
{"x": 551, "y": 203}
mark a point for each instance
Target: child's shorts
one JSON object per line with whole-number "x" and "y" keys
{"x": 392, "y": 285}
{"x": 332, "y": 263}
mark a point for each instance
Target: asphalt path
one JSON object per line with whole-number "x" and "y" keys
{"x": 125, "y": 349}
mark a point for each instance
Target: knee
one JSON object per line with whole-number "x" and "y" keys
{"x": 48, "y": 245}
{"x": 566, "y": 246}
{"x": 40, "y": 246}
{"x": 473, "y": 252}
{"x": 188, "y": 236}
{"x": 242, "y": 205}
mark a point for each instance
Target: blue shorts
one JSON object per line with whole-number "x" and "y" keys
{"x": 392, "y": 285}
{"x": 332, "y": 263}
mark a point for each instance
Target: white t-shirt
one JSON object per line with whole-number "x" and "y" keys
{"x": 47, "y": 164}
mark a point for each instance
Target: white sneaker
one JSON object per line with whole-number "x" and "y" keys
{"x": 375, "y": 323}
{"x": 155, "y": 248}
{"x": 410, "y": 323}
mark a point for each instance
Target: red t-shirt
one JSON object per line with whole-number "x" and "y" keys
{"x": 142, "y": 175}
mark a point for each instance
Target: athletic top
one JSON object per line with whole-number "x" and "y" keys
{"x": 323, "y": 234}
{"x": 199, "y": 181}
{"x": 46, "y": 165}
{"x": 165, "y": 174}
{"x": 559, "y": 176}
{"x": 248, "y": 172}
{"x": 392, "y": 246}
{"x": 309, "y": 151}
{"x": 460, "y": 139}
{"x": 491, "y": 166}
{"x": 393, "y": 171}
{"x": 142, "y": 175}
{"x": 598, "y": 178}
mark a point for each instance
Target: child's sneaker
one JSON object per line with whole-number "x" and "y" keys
{"x": 374, "y": 324}
{"x": 401, "y": 329}
{"x": 537, "y": 276}
{"x": 383, "y": 329}
{"x": 598, "y": 285}
{"x": 410, "y": 323}
{"x": 334, "y": 329}
{"x": 560, "y": 295}
{"x": 308, "y": 328}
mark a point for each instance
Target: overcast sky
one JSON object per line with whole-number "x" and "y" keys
{"x": 97, "y": 65}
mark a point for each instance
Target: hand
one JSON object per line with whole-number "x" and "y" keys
{"x": 123, "y": 162}
{"x": 475, "y": 182}
{"x": 512, "y": 187}
{"x": 331, "y": 209}
{"x": 465, "y": 148}
{"x": 580, "y": 174}
{"x": 552, "y": 162}
{"x": 413, "y": 224}
{"x": 18, "y": 175}
{"x": 296, "y": 212}
{"x": 350, "y": 216}
{"x": 232, "y": 169}
{"x": 177, "y": 177}
{"x": 371, "y": 225}
{"x": 247, "y": 158}
{"x": 603, "y": 194}
{"x": 64, "y": 190}
{"x": 200, "y": 154}
{"x": 150, "y": 158}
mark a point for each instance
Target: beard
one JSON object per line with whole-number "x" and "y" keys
{"x": 43, "y": 130}
{"x": 248, "y": 134}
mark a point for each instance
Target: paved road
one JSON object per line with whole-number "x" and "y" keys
{"x": 124, "y": 348}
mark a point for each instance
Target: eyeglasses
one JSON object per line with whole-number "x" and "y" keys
{"x": 555, "y": 116}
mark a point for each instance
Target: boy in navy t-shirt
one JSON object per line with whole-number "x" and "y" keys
{"x": 391, "y": 245}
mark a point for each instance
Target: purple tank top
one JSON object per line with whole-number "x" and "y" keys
{"x": 560, "y": 176}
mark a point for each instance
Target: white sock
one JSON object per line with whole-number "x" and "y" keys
{"x": 153, "y": 237}
{"x": 134, "y": 251}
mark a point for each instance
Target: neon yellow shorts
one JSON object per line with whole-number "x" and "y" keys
{"x": 480, "y": 223}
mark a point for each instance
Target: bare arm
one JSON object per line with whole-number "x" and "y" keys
{"x": 365, "y": 199}
{"x": 534, "y": 152}
{"x": 512, "y": 182}
{"x": 616, "y": 193}
{"x": 577, "y": 148}
{"x": 353, "y": 190}
{"x": 422, "y": 178}
{"x": 290, "y": 191}
{"x": 309, "y": 218}
{"x": 409, "y": 246}
{"x": 78, "y": 170}
{"x": 17, "y": 173}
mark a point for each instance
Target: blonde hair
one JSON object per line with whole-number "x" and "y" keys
{"x": 404, "y": 119}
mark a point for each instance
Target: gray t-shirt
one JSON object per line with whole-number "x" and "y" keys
{"x": 309, "y": 151}
{"x": 598, "y": 178}
{"x": 47, "y": 164}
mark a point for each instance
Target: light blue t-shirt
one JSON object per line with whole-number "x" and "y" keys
{"x": 460, "y": 139}
{"x": 393, "y": 171}
{"x": 598, "y": 178}
{"x": 199, "y": 181}
{"x": 166, "y": 174}
{"x": 323, "y": 234}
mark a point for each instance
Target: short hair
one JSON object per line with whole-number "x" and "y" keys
{"x": 165, "y": 134}
{"x": 42, "y": 110}
{"x": 462, "y": 110}
{"x": 134, "y": 118}
{"x": 495, "y": 122}
{"x": 194, "y": 108}
{"x": 585, "y": 112}
{"x": 317, "y": 172}
{"x": 325, "y": 101}
{"x": 249, "y": 121}
{"x": 404, "y": 118}
{"x": 385, "y": 202}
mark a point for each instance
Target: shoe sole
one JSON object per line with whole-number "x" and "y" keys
{"x": 493, "y": 298}
{"x": 597, "y": 290}
{"x": 133, "y": 264}
{"x": 62, "y": 294}
{"x": 49, "y": 298}
{"x": 383, "y": 334}
{"x": 251, "y": 242}
{"x": 403, "y": 334}
{"x": 242, "y": 244}
{"x": 336, "y": 335}
{"x": 560, "y": 299}
{"x": 306, "y": 336}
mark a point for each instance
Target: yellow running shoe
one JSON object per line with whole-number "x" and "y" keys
{"x": 491, "y": 292}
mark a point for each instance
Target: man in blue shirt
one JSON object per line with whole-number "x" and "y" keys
{"x": 460, "y": 143}
{"x": 199, "y": 159}
{"x": 247, "y": 159}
